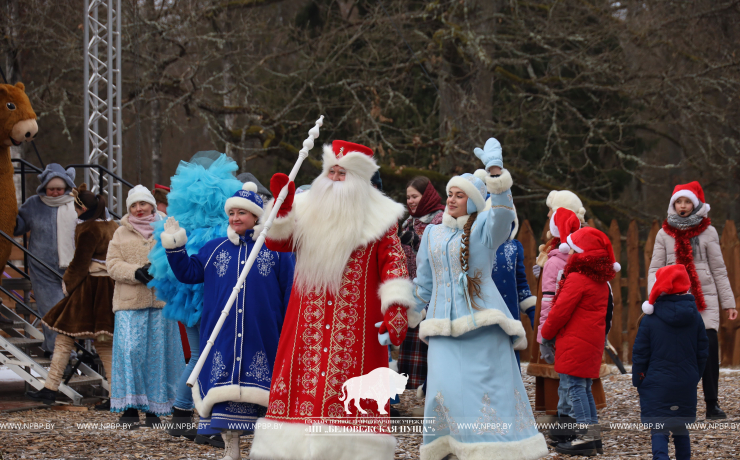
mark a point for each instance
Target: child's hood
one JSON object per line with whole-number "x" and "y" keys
{"x": 676, "y": 310}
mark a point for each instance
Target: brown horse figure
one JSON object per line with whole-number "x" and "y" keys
{"x": 17, "y": 125}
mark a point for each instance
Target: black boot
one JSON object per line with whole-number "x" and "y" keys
{"x": 564, "y": 432}
{"x": 44, "y": 395}
{"x": 583, "y": 444}
{"x": 130, "y": 419}
{"x": 183, "y": 425}
{"x": 104, "y": 406}
{"x": 151, "y": 419}
{"x": 714, "y": 412}
{"x": 214, "y": 440}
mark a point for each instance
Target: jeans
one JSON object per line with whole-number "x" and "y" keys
{"x": 565, "y": 407}
{"x": 184, "y": 398}
{"x": 579, "y": 392}
{"x": 681, "y": 442}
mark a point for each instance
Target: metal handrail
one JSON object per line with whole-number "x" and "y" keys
{"x": 20, "y": 272}
{"x": 28, "y": 253}
{"x": 102, "y": 169}
{"x": 34, "y": 169}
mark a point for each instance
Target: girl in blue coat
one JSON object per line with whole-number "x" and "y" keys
{"x": 476, "y": 405}
{"x": 233, "y": 386}
{"x": 668, "y": 359}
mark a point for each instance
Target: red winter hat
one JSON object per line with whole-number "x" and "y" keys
{"x": 161, "y": 187}
{"x": 356, "y": 159}
{"x": 671, "y": 279}
{"x": 562, "y": 223}
{"x": 594, "y": 242}
{"x": 693, "y": 192}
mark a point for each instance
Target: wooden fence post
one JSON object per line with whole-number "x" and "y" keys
{"x": 728, "y": 337}
{"x": 616, "y": 332}
{"x": 529, "y": 243}
{"x": 634, "y": 309}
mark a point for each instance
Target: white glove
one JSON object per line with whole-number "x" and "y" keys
{"x": 385, "y": 338}
{"x": 173, "y": 236}
{"x": 536, "y": 270}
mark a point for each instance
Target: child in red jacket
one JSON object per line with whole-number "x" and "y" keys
{"x": 577, "y": 319}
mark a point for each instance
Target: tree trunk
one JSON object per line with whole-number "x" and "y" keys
{"x": 156, "y": 133}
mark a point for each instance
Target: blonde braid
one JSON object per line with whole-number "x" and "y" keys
{"x": 474, "y": 289}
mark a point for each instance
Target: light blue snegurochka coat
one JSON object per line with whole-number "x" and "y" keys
{"x": 476, "y": 404}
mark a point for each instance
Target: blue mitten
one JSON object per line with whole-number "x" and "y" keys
{"x": 491, "y": 154}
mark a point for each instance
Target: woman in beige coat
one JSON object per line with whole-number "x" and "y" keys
{"x": 147, "y": 353}
{"x": 688, "y": 238}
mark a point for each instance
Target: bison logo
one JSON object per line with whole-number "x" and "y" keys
{"x": 380, "y": 384}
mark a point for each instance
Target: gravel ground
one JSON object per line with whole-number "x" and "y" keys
{"x": 66, "y": 440}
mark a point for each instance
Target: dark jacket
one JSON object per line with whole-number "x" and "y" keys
{"x": 668, "y": 358}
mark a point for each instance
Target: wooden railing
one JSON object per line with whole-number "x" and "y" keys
{"x": 632, "y": 281}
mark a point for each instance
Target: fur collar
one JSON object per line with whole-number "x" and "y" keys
{"x": 455, "y": 223}
{"x": 234, "y": 237}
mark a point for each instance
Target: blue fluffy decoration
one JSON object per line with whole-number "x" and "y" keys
{"x": 199, "y": 191}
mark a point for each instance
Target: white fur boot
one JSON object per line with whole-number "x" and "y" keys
{"x": 231, "y": 441}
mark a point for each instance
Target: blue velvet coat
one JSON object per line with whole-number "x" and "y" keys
{"x": 668, "y": 358}
{"x": 239, "y": 366}
{"x": 510, "y": 278}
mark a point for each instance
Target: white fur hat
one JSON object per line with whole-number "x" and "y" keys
{"x": 568, "y": 200}
{"x": 473, "y": 187}
{"x": 140, "y": 193}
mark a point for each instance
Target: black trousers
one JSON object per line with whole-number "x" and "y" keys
{"x": 710, "y": 379}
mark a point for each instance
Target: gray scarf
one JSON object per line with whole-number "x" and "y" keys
{"x": 683, "y": 223}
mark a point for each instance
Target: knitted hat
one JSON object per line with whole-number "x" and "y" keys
{"x": 562, "y": 224}
{"x": 474, "y": 188}
{"x": 246, "y": 198}
{"x": 593, "y": 242}
{"x": 140, "y": 193}
{"x": 671, "y": 279}
{"x": 693, "y": 192}
{"x": 566, "y": 199}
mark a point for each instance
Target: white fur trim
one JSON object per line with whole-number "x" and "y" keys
{"x": 250, "y": 187}
{"x": 690, "y": 195}
{"x": 648, "y": 308}
{"x": 572, "y": 245}
{"x": 515, "y": 230}
{"x": 397, "y": 291}
{"x": 276, "y": 439}
{"x": 564, "y": 247}
{"x": 282, "y": 227}
{"x": 526, "y": 449}
{"x": 243, "y": 203}
{"x": 470, "y": 190}
{"x": 617, "y": 267}
{"x": 568, "y": 200}
{"x": 500, "y": 184}
{"x": 527, "y": 303}
{"x": 356, "y": 163}
{"x": 455, "y": 223}
{"x": 458, "y": 327}
{"x": 174, "y": 240}
{"x": 232, "y": 235}
{"x": 481, "y": 174}
{"x": 420, "y": 392}
{"x": 234, "y": 393}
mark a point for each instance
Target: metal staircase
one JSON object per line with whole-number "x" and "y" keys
{"x": 21, "y": 351}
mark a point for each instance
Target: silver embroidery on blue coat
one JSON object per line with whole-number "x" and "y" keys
{"x": 265, "y": 261}
{"x": 222, "y": 262}
{"x": 443, "y": 419}
{"x": 259, "y": 369}
{"x": 240, "y": 408}
{"x": 218, "y": 369}
{"x": 489, "y": 422}
{"x": 510, "y": 255}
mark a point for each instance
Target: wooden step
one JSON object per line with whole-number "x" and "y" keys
{"x": 84, "y": 380}
{"x": 17, "y": 284}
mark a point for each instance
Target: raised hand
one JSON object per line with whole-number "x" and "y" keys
{"x": 491, "y": 155}
{"x": 278, "y": 181}
{"x": 173, "y": 236}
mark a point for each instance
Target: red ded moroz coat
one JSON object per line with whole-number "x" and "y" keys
{"x": 578, "y": 319}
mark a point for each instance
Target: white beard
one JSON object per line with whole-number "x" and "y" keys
{"x": 329, "y": 227}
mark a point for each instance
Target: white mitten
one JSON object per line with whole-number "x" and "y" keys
{"x": 173, "y": 236}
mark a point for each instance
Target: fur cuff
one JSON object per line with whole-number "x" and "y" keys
{"x": 174, "y": 240}
{"x": 397, "y": 291}
{"x": 282, "y": 227}
{"x": 525, "y": 304}
{"x": 500, "y": 184}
